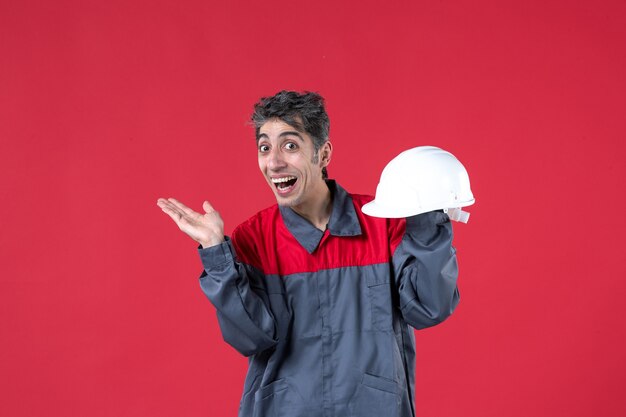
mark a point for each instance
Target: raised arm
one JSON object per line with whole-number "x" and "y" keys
{"x": 234, "y": 289}
{"x": 426, "y": 270}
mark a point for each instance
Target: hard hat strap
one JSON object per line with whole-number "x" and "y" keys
{"x": 457, "y": 215}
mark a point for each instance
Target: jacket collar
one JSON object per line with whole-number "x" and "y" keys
{"x": 343, "y": 220}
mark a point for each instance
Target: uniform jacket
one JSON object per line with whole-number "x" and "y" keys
{"x": 324, "y": 316}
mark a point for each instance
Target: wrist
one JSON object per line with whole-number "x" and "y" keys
{"x": 211, "y": 242}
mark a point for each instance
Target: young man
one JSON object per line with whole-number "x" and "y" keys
{"x": 318, "y": 295}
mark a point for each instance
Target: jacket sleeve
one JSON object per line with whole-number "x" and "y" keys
{"x": 236, "y": 291}
{"x": 425, "y": 270}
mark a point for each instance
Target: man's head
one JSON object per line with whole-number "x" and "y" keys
{"x": 304, "y": 112}
{"x": 293, "y": 146}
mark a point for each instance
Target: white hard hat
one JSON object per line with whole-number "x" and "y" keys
{"x": 419, "y": 180}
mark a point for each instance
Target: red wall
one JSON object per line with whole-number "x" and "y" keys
{"x": 106, "y": 106}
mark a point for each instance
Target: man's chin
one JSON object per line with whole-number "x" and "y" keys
{"x": 286, "y": 201}
{"x": 289, "y": 200}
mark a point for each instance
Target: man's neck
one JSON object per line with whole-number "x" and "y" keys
{"x": 319, "y": 210}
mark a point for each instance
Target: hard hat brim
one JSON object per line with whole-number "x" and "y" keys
{"x": 375, "y": 209}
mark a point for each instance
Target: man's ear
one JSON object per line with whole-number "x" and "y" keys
{"x": 326, "y": 152}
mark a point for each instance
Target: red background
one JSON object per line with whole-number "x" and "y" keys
{"x": 107, "y": 105}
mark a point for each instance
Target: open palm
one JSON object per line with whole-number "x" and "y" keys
{"x": 206, "y": 229}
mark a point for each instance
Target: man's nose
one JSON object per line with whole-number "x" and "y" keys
{"x": 276, "y": 160}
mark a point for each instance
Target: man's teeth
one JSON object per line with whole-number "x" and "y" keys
{"x": 284, "y": 179}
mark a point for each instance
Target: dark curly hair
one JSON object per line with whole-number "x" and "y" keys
{"x": 305, "y": 112}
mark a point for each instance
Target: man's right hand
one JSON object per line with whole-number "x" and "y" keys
{"x": 207, "y": 229}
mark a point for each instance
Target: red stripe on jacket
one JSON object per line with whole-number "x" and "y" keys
{"x": 264, "y": 242}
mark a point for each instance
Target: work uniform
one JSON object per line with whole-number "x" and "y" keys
{"x": 324, "y": 315}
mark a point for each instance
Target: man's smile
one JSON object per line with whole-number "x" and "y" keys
{"x": 284, "y": 184}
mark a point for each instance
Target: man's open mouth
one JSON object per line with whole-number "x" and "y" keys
{"x": 284, "y": 183}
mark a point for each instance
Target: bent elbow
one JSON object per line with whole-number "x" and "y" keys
{"x": 420, "y": 317}
{"x": 247, "y": 346}
{"x": 249, "y": 341}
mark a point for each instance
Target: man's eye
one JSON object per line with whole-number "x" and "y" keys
{"x": 291, "y": 146}
{"x": 264, "y": 148}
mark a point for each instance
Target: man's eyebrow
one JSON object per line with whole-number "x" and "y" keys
{"x": 283, "y": 134}
{"x": 291, "y": 132}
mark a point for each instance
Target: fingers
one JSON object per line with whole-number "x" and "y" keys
{"x": 171, "y": 210}
{"x": 174, "y": 205}
{"x": 177, "y": 210}
{"x": 207, "y": 207}
{"x": 181, "y": 206}
{"x": 161, "y": 202}
{"x": 173, "y": 213}
{"x": 166, "y": 204}
{"x": 206, "y": 229}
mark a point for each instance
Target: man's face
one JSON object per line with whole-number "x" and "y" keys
{"x": 288, "y": 162}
